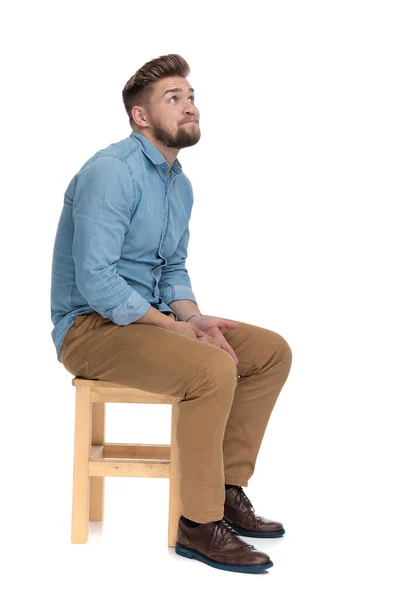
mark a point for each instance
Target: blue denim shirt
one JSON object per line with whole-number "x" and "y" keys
{"x": 122, "y": 237}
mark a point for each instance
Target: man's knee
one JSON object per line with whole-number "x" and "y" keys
{"x": 278, "y": 346}
{"x": 220, "y": 365}
{"x": 284, "y": 348}
{"x": 284, "y": 352}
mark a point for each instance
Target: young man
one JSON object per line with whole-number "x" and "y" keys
{"x": 124, "y": 310}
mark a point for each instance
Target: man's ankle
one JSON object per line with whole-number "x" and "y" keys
{"x": 190, "y": 523}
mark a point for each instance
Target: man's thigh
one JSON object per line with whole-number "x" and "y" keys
{"x": 138, "y": 355}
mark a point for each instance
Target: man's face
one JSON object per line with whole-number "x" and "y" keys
{"x": 173, "y": 117}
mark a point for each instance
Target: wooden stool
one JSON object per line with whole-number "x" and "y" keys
{"x": 94, "y": 459}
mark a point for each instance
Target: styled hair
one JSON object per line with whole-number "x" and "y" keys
{"x": 138, "y": 90}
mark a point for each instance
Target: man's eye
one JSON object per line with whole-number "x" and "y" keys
{"x": 172, "y": 97}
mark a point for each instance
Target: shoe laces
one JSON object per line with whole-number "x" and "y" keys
{"x": 241, "y": 496}
{"x": 239, "y": 499}
{"x": 223, "y": 527}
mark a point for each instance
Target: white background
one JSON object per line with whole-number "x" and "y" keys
{"x": 296, "y": 186}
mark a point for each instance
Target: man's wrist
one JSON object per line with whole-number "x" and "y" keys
{"x": 185, "y": 309}
{"x": 192, "y": 317}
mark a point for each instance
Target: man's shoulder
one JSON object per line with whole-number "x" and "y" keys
{"x": 124, "y": 150}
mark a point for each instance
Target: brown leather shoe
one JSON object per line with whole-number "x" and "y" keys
{"x": 239, "y": 513}
{"x": 219, "y": 546}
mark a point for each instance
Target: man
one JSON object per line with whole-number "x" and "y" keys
{"x": 124, "y": 310}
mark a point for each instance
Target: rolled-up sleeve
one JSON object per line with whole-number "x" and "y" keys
{"x": 103, "y": 197}
{"x": 175, "y": 282}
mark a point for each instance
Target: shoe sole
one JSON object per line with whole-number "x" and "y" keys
{"x": 189, "y": 553}
{"x": 257, "y": 534}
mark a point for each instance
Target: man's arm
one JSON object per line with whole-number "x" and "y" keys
{"x": 101, "y": 213}
{"x": 175, "y": 285}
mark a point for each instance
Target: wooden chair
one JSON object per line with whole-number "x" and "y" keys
{"x": 95, "y": 459}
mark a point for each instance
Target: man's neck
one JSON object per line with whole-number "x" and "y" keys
{"x": 168, "y": 153}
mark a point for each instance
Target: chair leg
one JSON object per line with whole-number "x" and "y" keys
{"x": 80, "y": 496}
{"x": 175, "y": 505}
{"x": 96, "y": 504}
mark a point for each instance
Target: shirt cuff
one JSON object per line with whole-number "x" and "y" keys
{"x": 131, "y": 310}
{"x": 177, "y": 292}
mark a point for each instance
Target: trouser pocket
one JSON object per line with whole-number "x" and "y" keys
{"x": 83, "y": 324}
{"x": 90, "y": 320}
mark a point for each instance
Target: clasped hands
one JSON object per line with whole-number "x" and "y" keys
{"x": 209, "y": 330}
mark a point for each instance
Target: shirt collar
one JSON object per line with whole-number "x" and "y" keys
{"x": 153, "y": 153}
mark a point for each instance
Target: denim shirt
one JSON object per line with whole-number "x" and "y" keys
{"x": 122, "y": 237}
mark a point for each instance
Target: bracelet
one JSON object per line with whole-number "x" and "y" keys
{"x": 192, "y": 316}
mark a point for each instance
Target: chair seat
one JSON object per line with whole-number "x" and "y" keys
{"x": 108, "y": 391}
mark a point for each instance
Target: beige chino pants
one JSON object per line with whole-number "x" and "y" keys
{"x": 224, "y": 409}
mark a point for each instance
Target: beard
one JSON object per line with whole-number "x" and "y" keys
{"x": 184, "y": 138}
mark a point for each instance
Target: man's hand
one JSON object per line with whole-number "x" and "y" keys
{"x": 211, "y": 328}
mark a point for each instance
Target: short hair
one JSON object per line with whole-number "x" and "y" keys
{"x": 138, "y": 90}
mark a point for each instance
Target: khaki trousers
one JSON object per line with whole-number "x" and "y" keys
{"x": 224, "y": 409}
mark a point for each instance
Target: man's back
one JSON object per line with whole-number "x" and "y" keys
{"x": 122, "y": 238}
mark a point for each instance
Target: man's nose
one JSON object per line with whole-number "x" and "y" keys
{"x": 190, "y": 108}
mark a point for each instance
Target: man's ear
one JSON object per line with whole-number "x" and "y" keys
{"x": 139, "y": 116}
